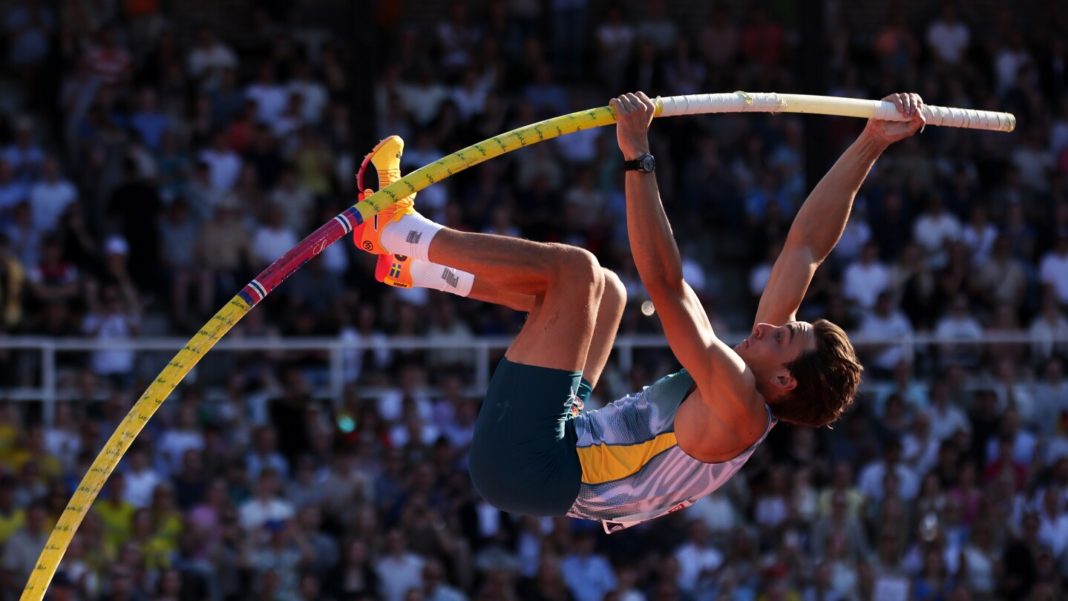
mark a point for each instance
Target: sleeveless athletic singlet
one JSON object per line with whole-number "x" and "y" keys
{"x": 632, "y": 467}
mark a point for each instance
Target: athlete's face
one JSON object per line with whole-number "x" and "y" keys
{"x": 769, "y": 349}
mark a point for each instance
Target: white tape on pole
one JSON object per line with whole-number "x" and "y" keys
{"x": 770, "y": 102}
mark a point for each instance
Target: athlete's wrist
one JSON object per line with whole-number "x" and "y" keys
{"x": 633, "y": 153}
{"x": 871, "y": 144}
{"x": 874, "y": 140}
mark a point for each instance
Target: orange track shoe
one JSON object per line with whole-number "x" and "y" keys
{"x": 385, "y": 156}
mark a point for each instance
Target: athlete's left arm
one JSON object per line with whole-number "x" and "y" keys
{"x": 822, "y": 218}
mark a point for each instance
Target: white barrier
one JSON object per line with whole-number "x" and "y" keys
{"x": 481, "y": 349}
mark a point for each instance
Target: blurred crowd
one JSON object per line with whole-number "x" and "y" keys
{"x": 151, "y": 163}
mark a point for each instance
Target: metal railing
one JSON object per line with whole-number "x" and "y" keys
{"x": 48, "y": 390}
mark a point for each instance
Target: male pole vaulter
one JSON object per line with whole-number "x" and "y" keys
{"x": 535, "y": 450}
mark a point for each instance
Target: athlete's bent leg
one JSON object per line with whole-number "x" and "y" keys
{"x": 609, "y": 313}
{"x": 567, "y": 280}
{"x": 486, "y": 292}
{"x": 523, "y": 456}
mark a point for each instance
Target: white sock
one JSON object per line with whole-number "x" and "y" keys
{"x": 439, "y": 277}
{"x": 410, "y": 236}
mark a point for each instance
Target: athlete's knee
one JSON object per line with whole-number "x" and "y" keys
{"x": 578, "y": 268}
{"x": 615, "y": 293}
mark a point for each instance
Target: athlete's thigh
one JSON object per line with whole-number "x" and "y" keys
{"x": 558, "y": 331}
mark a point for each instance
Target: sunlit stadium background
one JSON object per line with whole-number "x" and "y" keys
{"x": 155, "y": 154}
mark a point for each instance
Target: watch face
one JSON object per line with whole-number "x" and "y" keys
{"x": 647, "y": 163}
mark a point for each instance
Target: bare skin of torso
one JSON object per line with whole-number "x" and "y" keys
{"x": 711, "y": 435}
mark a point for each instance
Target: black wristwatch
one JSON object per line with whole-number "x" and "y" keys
{"x": 643, "y": 164}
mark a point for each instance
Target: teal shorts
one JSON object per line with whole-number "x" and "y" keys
{"x": 523, "y": 458}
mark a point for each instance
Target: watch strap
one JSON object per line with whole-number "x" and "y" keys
{"x": 637, "y": 164}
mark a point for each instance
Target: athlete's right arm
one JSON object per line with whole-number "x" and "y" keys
{"x": 718, "y": 371}
{"x": 822, "y": 217}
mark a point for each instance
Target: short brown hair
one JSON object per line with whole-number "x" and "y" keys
{"x": 827, "y": 380}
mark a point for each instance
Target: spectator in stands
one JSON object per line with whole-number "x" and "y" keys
{"x": 264, "y": 454}
{"x": 1001, "y": 278}
{"x": 354, "y": 576}
{"x": 717, "y": 40}
{"x": 12, "y": 191}
{"x": 107, "y": 60}
{"x": 296, "y": 202}
{"x": 134, "y": 206}
{"x": 839, "y": 534}
{"x": 113, "y": 317}
{"x": 963, "y": 330}
{"x": 884, "y": 323}
{"x": 1011, "y": 437}
{"x": 1049, "y": 325}
{"x": 895, "y": 44}
{"x": 224, "y": 251}
{"x": 141, "y": 477}
{"x": 266, "y": 507}
{"x": 919, "y": 445}
{"x": 178, "y": 235}
{"x": 1051, "y": 396}
{"x": 50, "y": 196}
{"x": 24, "y": 154}
{"x": 933, "y": 230}
{"x": 445, "y": 326}
{"x": 945, "y": 417}
{"x": 12, "y": 286}
{"x": 314, "y": 161}
{"x": 1053, "y": 269}
{"x": 979, "y": 560}
{"x": 224, "y": 165}
{"x": 61, "y": 437}
{"x": 544, "y": 94}
{"x": 22, "y": 548}
{"x": 148, "y": 121}
{"x": 762, "y": 40}
{"x": 184, "y": 434}
{"x": 979, "y": 235}
{"x": 190, "y": 482}
{"x": 948, "y": 36}
{"x": 587, "y": 573}
{"x": 324, "y": 547}
{"x": 615, "y": 39}
{"x": 198, "y": 190}
{"x": 422, "y": 98}
{"x": 28, "y": 26}
{"x": 1033, "y": 162}
{"x": 435, "y": 586}
{"x": 867, "y": 278}
{"x": 699, "y": 561}
{"x": 872, "y": 477}
{"x": 276, "y": 563}
{"x": 398, "y": 570}
{"x": 684, "y": 73}
{"x": 208, "y": 59}
{"x": 933, "y": 580}
{"x": 885, "y": 577}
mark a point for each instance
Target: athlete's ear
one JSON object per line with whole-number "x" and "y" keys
{"x": 783, "y": 381}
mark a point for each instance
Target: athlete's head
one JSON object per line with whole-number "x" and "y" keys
{"x": 808, "y": 372}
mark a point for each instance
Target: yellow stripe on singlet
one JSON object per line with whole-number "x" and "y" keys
{"x": 608, "y": 463}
